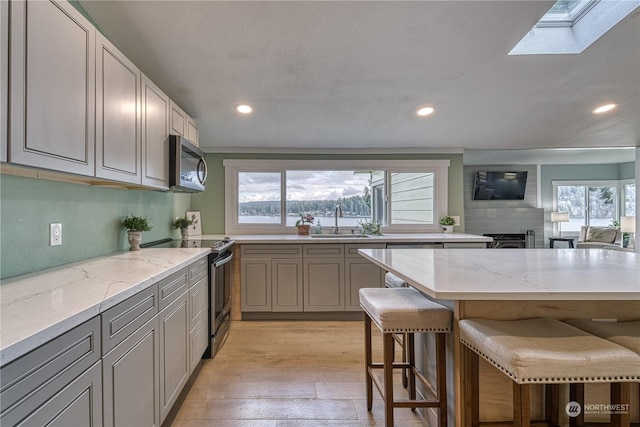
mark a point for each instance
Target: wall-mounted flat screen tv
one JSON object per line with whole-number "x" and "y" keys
{"x": 490, "y": 185}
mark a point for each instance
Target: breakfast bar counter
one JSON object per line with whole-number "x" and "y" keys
{"x": 516, "y": 284}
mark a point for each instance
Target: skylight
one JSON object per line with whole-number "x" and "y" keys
{"x": 571, "y": 26}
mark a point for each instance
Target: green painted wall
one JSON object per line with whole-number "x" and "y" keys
{"x": 89, "y": 215}
{"x": 211, "y": 202}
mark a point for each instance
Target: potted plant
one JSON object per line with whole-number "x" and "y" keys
{"x": 370, "y": 227}
{"x": 135, "y": 225}
{"x": 303, "y": 224}
{"x": 447, "y": 222}
{"x": 183, "y": 224}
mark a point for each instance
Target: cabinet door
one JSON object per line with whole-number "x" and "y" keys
{"x": 78, "y": 404}
{"x": 131, "y": 380}
{"x": 360, "y": 273}
{"x": 4, "y": 77}
{"x": 286, "y": 284}
{"x": 52, "y": 83}
{"x": 193, "y": 134}
{"x": 174, "y": 352}
{"x": 324, "y": 284}
{"x": 155, "y": 135}
{"x": 178, "y": 120}
{"x": 198, "y": 342}
{"x": 118, "y": 144}
{"x": 255, "y": 284}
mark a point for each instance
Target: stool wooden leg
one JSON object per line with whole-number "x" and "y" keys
{"x": 388, "y": 379}
{"x": 471, "y": 388}
{"x": 411, "y": 359}
{"x": 576, "y": 394}
{"x": 368, "y": 361}
{"x": 521, "y": 405}
{"x": 552, "y": 404}
{"x": 441, "y": 363}
{"x": 405, "y": 376}
{"x": 620, "y": 395}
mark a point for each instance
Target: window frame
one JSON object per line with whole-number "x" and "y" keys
{"x": 232, "y": 167}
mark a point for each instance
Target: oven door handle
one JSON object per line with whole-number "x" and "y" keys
{"x": 218, "y": 262}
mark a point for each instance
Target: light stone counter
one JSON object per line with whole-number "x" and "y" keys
{"x": 386, "y": 238}
{"x": 38, "y": 307}
{"x": 510, "y": 274}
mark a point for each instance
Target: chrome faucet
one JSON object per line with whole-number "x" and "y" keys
{"x": 338, "y": 213}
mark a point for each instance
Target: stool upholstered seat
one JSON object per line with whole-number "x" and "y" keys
{"x": 549, "y": 352}
{"x": 393, "y": 281}
{"x": 626, "y": 334}
{"x": 404, "y": 310}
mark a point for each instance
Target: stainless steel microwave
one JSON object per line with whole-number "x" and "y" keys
{"x": 187, "y": 166}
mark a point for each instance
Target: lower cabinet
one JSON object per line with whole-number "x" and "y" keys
{"x": 286, "y": 284}
{"x": 131, "y": 379}
{"x": 323, "y": 284}
{"x": 173, "y": 323}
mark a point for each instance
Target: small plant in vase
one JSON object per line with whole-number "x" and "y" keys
{"x": 135, "y": 225}
{"x": 303, "y": 224}
{"x": 183, "y": 224}
{"x": 447, "y": 222}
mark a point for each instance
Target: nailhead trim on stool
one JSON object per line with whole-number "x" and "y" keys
{"x": 407, "y": 311}
{"x": 541, "y": 351}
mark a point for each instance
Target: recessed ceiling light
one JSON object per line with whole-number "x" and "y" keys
{"x": 604, "y": 108}
{"x": 243, "y": 108}
{"x": 425, "y": 111}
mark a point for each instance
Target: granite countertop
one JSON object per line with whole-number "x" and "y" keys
{"x": 522, "y": 274}
{"x": 38, "y": 307}
{"x": 386, "y": 238}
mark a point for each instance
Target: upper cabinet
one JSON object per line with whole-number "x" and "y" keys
{"x": 182, "y": 124}
{"x": 155, "y": 135}
{"x": 52, "y": 86}
{"x": 4, "y": 77}
{"x": 118, "y": 130}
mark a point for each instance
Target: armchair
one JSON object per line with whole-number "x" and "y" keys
{"x": 598, "y": 237}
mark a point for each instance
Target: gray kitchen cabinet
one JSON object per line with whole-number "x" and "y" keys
{"x": 193, "y": 133}
{"x": 360, "y": 273}
{"x": 464, "y": 245}
{"x": 198, "y": 311}
{"x": 271, "y": 277}
{"x": 131, "y": 379}
{"x": 178, "y": 120}
{"x": 47, "y": 382}
{"x": 323, "y": 278}
{"x": 155, "y": 135}
{"x": 173, "y": 325}
{"x": 52, "y": 86}
{"x": 4, "y": 77}
{"x": 172, "y": 287}
{"x": 118, "y": 132}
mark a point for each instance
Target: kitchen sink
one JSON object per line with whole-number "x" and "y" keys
{"x": 338, "y": 236}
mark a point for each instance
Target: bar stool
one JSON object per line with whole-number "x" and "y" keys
{"x": 540, "y": 351}
{"x": 393, "y": 281}
{"x": 626, "y": 334}
{"x": 406, "y": 311}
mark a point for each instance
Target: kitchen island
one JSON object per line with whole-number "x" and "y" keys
{"x": 516, "y": 284}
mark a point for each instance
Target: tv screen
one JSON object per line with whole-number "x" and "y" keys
{"x": 499, "y": 185}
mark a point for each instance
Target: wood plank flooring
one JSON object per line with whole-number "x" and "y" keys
{"x": 286, "y": 374}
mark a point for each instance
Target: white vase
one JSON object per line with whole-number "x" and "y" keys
{"x": 447, "y": 229}
{"x": 184, "y": 232}
{"x": 135, "y": 237}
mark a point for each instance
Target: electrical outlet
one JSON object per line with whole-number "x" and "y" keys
{"x": 55, "y": 234}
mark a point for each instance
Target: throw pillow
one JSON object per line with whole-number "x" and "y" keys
{"x": 601, "y": 234}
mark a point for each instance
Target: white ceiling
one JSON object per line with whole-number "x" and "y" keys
{"x": 349, "y": 75}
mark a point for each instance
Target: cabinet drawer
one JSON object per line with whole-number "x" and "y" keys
{"x": 198, "y": 270}
{"x": 271, "y": 251}
{"x": 170, "y": 288}
{"x": 351, "y": 250}
{"x": 34, "y": 378}
{"x": 122, "y": 320}
{"x": 323, "y": 251}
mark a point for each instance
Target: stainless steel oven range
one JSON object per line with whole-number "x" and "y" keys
{"x": 219, "y": 285}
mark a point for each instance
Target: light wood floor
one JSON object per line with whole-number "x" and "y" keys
{"x": 286, "y": 374}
